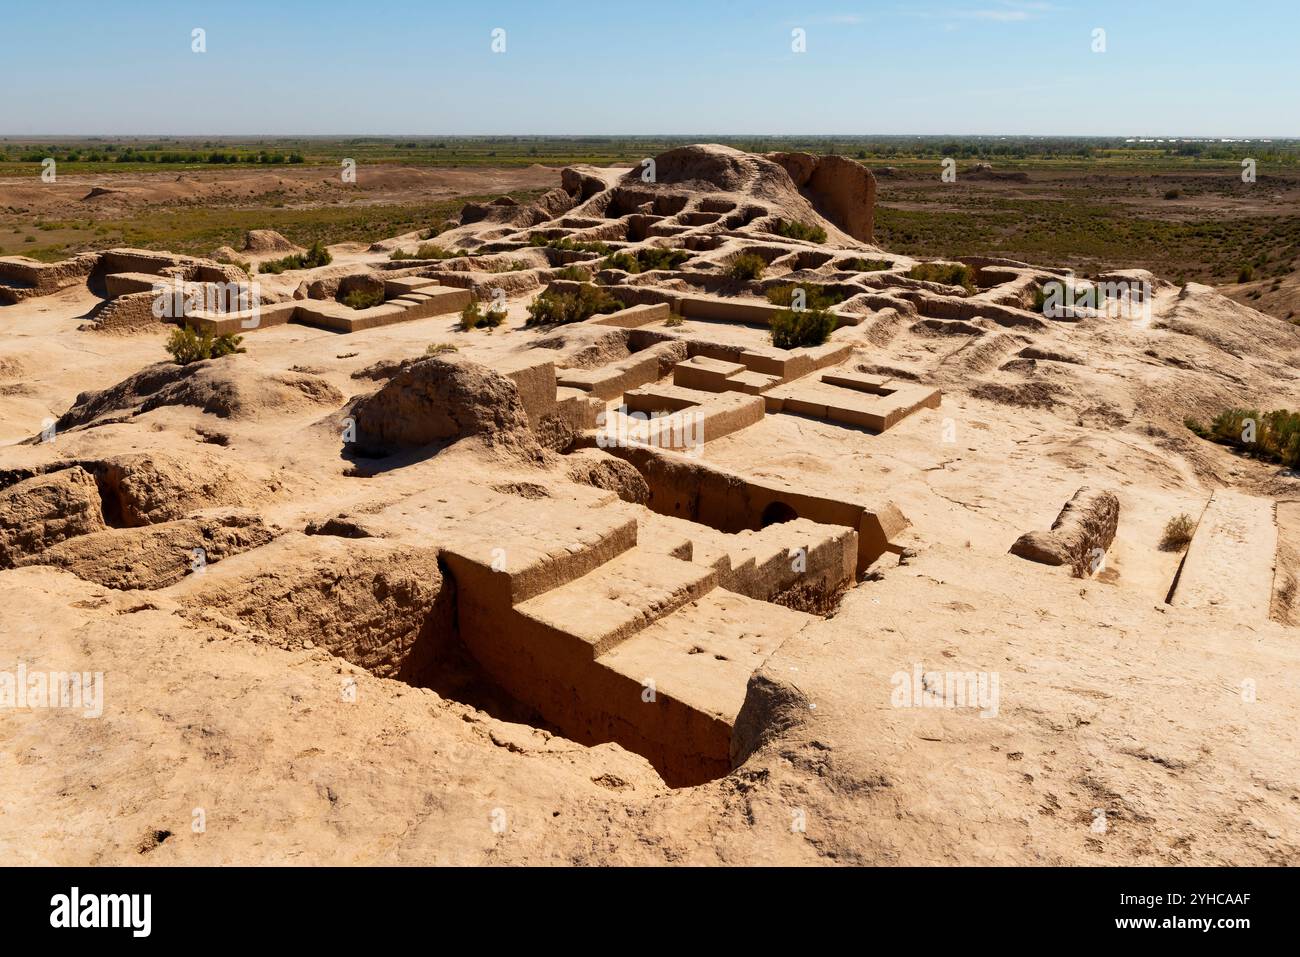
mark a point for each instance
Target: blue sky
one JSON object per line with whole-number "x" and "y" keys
{"x": 1171, "y": 67}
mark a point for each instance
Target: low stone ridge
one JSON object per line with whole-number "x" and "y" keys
{"x": 1085, "y": 526}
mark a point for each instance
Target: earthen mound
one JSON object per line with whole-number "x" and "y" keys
{"x": 149, "y": 488}
{"x": 379, "y": 605}
{"x": 156, "y": 556}
{"x": 841, "y": 190}
{"x": 42, "y": 511}
{"x": 267, "y": 241}
{"x": 602, "y": 470}
{"x": 437, "y": 401}
{"x": 226, "y": 387}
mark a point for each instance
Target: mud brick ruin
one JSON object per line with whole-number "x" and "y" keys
{"x": 610, "y": 529}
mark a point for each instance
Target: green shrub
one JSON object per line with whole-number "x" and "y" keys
{"x": 553, "y": 307}
{"x": 574, "y": 273}
{"x": 316, "y": 256}
{"x": 793, "y": 329}
{"x": 747, "y": 266}
{"x": 815, "y": 296}
{"x": 362, "y": 299}
{"x": 949, "y": 274}
{"x": 794, "y": 230}
{"x": 674, "y": 320}
{"x": 858, "y": 264}
{"x": 573, "y": 245}
{"x": 646, "y": 259}
{"x": 1178, "y": 533}
{"x": 1247, "y": 274}
{"x": 624, "y": 261}
{"x": 472, "y": 317}
{"x": 1276, "y": 435}
{"x": 186, "y": 346}
{"x": 437, "y": 348}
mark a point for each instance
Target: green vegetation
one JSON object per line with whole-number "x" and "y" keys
{"x": 472, "y": 317}
{"x": 438, "y": 348}
{"x": 553, "y": 307}
{"x": 955, "y": 274}
{"x": 428, "y": 251}
{"x": 646, "y": 259}
{"x": 793, "y": 329}
{"x": 196, "y": 230}
{"x": 673, "y": 321}
{"x": 575, "y": 273}
{"x": 362, "y": 299}
{"x": 169, "y": 153}
{"x": 186, "y": 346}
{"x": 1272, "y": 436}
{"x": 747, "y": 266}
{"x": 793, "y": 230}
{"x": 1178, "y": 533}
{"x": 569, "y": 244}
{"x": 858, "y": 264}
{"x": 1247, "y": 274}
{"x": 315, "y": 256}
{"x": 815, "y": 296}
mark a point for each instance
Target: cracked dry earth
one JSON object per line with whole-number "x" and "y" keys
{"x": 358, "y": 604}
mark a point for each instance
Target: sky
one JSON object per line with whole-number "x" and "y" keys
{"x": 655, "y": 67}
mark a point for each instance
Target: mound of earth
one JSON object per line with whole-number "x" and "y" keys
{"x": 379, "y": 605}
{"x": 156, "y": 556}
{"x": 841, "y": 190}
{"x": 145, "y": 488}
{"x": 437, "y": 401}
{"x": 229, "y": 387}
{"x": 39, "y": 512}
{"x": 267, "y": 241}
{"x": 602, "y": 470}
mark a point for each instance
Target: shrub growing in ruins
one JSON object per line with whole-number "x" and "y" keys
{"x": 858, "y": 264}
{"x": 572, "y": 245}
{"x": 796, "y": 230}
{"x": 624, "y": 261}
{"x": 574, "y": 273}
{"x": 746, "y": 267}
{"x": 949, "y": 274}
{"x": 1272, "y": 436}
{"x": 553, "y": 307}
{"x": 1178, "y": 533}
{"x": 316, "y": 256}
{"x": 186, "y": 346}
{"x": 472, "y": 317}
{"x": 797, "y": 329}
{"x": 646, "y": 259}
{"x": 816, "y": 296}
{"x": 362, "y": 299}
